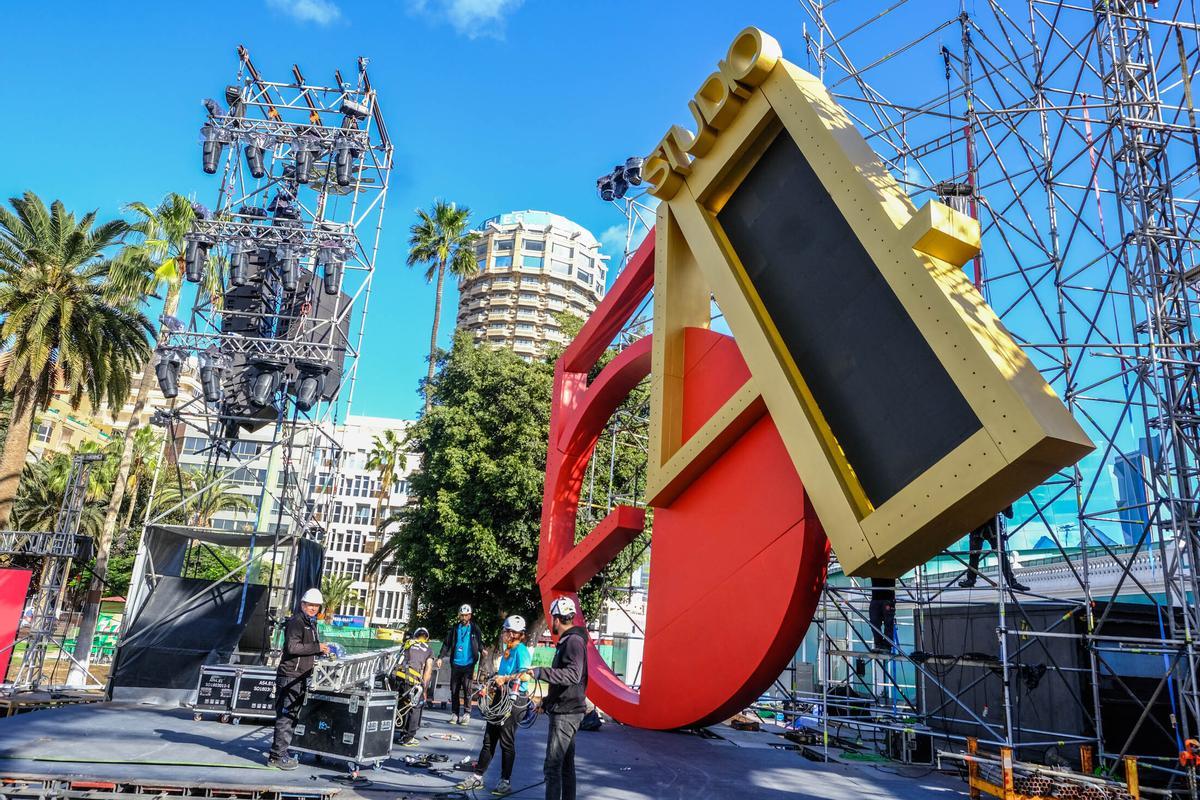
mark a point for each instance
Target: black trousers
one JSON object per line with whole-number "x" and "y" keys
{"x": 504, "y": 734}
{"x": 460, "y": 681}
{"x": 412, "y": 718}
{"x": 290, "y": 691}
{"x": 559, "y": 768}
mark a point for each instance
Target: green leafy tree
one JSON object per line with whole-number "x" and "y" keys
{"x": 63, "y": 326}
{"x": 443, "y": 241}
{"x": 471, "y": 532}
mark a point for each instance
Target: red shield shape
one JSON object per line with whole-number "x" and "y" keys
{"x": 737, "y": 557}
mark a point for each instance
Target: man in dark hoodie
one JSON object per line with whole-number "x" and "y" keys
{"x": 300, "y": 650}
{"x": 565, "y": 702}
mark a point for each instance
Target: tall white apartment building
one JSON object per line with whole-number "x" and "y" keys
{"x": 531, "y": 265}
{"x": 344, "y": 497}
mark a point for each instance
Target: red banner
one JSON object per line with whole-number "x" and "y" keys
{"x": 14, "y": 585}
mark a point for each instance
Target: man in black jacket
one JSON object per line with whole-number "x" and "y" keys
{"x": 300, "y": 650}
{"x": 463, "y": 642}
{"x": 565, "y": 702}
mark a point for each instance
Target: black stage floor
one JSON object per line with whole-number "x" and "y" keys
{"x": 147, "y": 743}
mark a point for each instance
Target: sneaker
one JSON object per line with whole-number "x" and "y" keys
{"x": 473, "y": 782}
{"x": 287, "y": 762}
{"x": 1017, "y": 587}
{"x": 453, "y": 719}
{"x": 411, "y": 741}
{"x": 465, "y": 719}
{"x": 503, "y": 787}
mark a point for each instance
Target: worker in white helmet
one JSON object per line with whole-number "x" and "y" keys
{"x": 515, "y": 660}
{"x": 301, "y": 646}
{"x": 463, "y": 642}
{"x": 566, "y": 700}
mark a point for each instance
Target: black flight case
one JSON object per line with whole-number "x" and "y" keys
{"x": 352, "y": 726}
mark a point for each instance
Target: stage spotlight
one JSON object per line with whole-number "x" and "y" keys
{"x": 309, "y": 385}
{"x": 161, "y": 418}
{"x": 304, "y": 149}
{"x": 166, "y": 369}
{"x": 211, "y": 146}
{"x": 213, "y": 366}
{"x": 265, "y": 378}
{"x": 605, "y": 187}
{"x": 195, "y": 254}
{"x": 330, "y": 258}
{"x": 344, "y": 164}
{"x": 283, "y": 206}
{"x": 171, "y": 323}
{"x": 254, "y": 160}
{"x": 213, "y": 107}
{"x": 632, "y": 171}
{"x": 620, "y": 185}
{"x": 239, "y": 265}
{"x": 233, "y": 96}
{"x": 353, "y": 109}
{"x": 289, "y": 266}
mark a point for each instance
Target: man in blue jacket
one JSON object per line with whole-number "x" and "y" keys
{"x": 463, "y": 642}
{"x": 565, "y": 701}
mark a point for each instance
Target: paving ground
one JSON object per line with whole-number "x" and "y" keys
{"x": 616, "y": 763}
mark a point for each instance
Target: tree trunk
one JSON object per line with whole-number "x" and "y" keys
{"x": 433, "y": 336}
{"x": 91, "y": 607}
{"x": 12, "y": 462}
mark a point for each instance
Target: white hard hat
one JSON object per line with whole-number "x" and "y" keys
{"x": 515, "y": 623}
{"x": 563, "y": 607}
{"x": 313, "y": 596}
{"x": 464, "y": 609}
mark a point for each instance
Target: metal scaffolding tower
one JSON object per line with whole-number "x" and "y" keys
{"x": 282, "y": 269}
{"x": 1069, "y": 130}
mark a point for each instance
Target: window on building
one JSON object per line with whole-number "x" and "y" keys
{"x": 534, "y": 245}
{"x": 531, "y": 261}
{"x": 524, "y": 327}
{"x": 524, "y": 342}
{"x": 42, "y": 434}
{"x": 529, "y": 296}
{"x": 363, "y": 514}
{"x": 586, "y": 261}
{"x": 503, "y": 245}
{"x": 560, "y": 267}
{"x": 584, "y": 276}
{"x": 502, "y": 261}
{"x": 563, "y": 250}
{"x": 246, "y": 449}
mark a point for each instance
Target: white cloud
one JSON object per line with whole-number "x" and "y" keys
{"x": 471, "y": 18}
{"x": 612, "y": 240}
{"x": 322, "y": 12}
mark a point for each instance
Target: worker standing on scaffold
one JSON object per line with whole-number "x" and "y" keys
{"x": 301, "y": 646}
{"x": 413, "y": 674}
{"x": 508, "y": 709}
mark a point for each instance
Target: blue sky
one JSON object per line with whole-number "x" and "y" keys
{"x": 496, "y": 104}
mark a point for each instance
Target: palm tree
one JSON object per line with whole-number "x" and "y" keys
{"x": 40, "y": 497}
{"x": 443, "y": 241}
{"x": 62, "y": 326}
{"x": 386, "y": 457}
{"x": 144, "y": 268}
{"x": 199, "y": 497}
{"x": 335, "y": 590}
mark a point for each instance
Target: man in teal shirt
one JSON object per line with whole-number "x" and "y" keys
{"x": 463, "y": 642}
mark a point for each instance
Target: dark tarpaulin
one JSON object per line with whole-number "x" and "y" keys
{"x": 184, "y": 624}
{"x": 310, "y": 557}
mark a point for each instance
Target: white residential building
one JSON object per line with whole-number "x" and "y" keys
{"x": 343, "y": 497}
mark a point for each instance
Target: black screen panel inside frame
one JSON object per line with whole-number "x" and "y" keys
{"x": 890, "y": 404}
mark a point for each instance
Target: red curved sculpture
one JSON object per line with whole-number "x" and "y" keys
{"x": 738, "y": 557}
